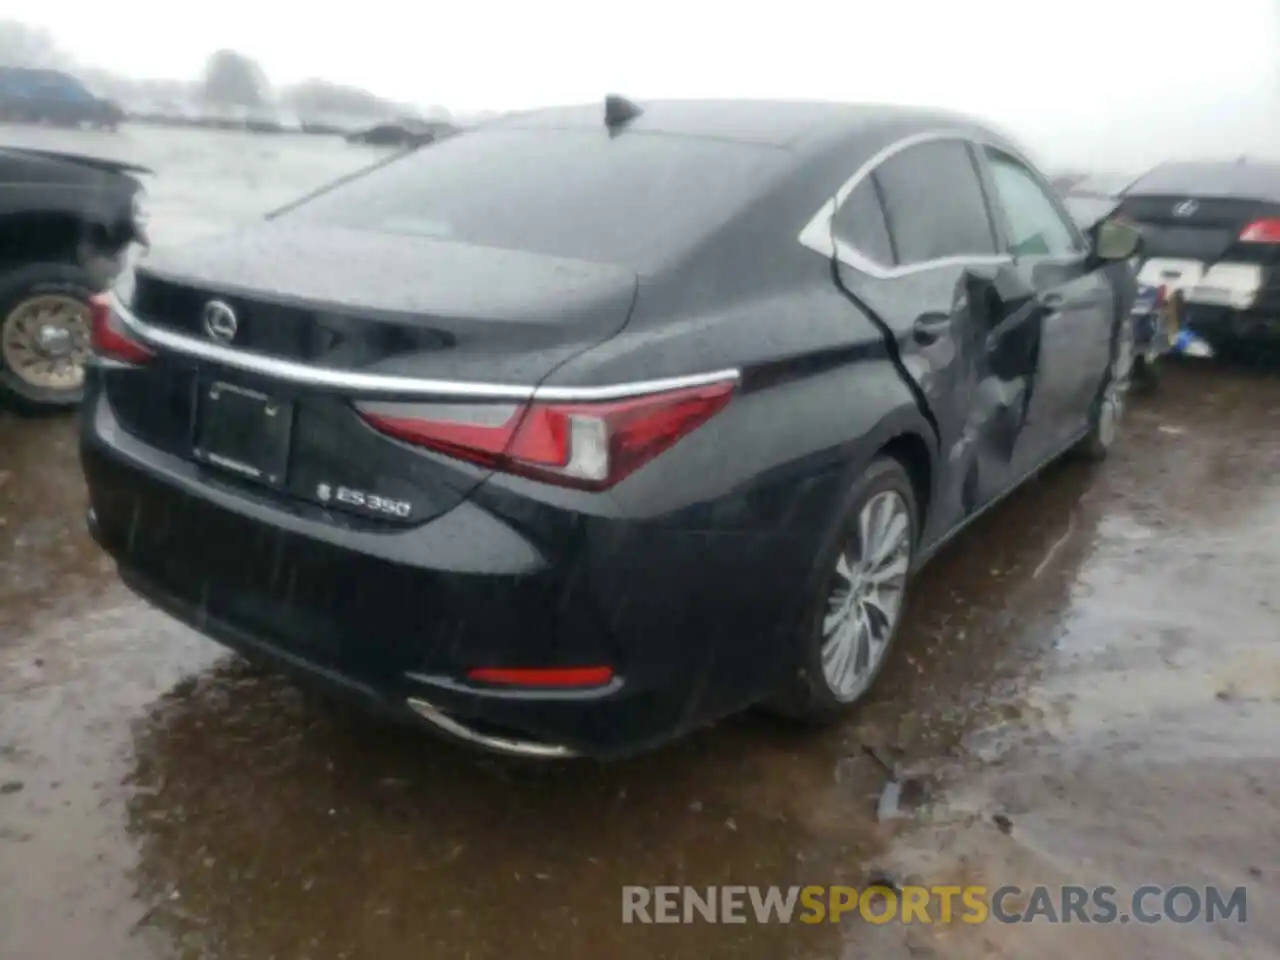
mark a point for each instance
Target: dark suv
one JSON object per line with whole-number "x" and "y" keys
{"x": 49, "y": 96}
{"x": 66, "y": 226}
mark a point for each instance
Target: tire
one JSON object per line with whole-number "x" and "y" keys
{"x": 58, "y": 285}
{"x": 821, "y": 692}
{"x": 1108, "y": 409}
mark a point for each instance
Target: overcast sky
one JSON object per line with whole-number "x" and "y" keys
{"x": 1098, "y": 74}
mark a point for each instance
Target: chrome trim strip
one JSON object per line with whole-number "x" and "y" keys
{"x": 305, "y": 375}
{"x": 392, "y": 385}
{"x": 504, "y": 745}
{"x": 637, "y": 388}
{"x": 817, "y": 235}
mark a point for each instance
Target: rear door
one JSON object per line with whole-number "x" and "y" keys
{"x": 1066, "y": 307}
{"x": 914, "y": 241}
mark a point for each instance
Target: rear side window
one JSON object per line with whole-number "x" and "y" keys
{"x": 1036, "y": 228}
{"x": 578, "y": 194}
{"x": 934, "y": 204}
{"x": 860, "y": 223}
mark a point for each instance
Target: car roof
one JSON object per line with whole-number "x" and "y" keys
{"x": 786, "y": 124}
{"x": 1241, "y": 179}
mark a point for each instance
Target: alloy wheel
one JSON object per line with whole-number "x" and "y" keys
{"x": 866, "y": 598}
{"x": 44, "y": 341}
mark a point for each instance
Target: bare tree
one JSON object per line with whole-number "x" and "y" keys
{"x": 232, "y": 79}
{"x": 320, "y": 98}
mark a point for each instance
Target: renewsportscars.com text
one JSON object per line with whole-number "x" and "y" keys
{"x": 940, "y": 904}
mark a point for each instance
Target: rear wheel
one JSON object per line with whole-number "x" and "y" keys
{"x": 853, "y": 617}
{"x": 44, "y": 335}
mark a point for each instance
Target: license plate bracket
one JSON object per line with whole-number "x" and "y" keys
{"x": 243, "y": 431}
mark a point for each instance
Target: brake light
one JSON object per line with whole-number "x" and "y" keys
{"x": 108, "y": 337}
{"x": 542, "y": 676}
{"x": 587, "y": 445}
{"x": 1266, "y": 230}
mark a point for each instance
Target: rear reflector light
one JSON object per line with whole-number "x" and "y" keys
{"x": 588, "y": 445}
{"x": 108, "y": 337}
{"x": 542, "y": 676}
{"x": 1262, "y": 231}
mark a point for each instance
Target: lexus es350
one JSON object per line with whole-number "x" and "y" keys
{"x": 591, "y": 426}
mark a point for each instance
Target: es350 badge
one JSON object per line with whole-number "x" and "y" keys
{"x": 363, "y": 500}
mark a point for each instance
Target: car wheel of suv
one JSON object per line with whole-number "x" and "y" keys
{"x": 1108, "y": 410}
{"x": 44, "y": 335}
{"x": 853, "y": 619}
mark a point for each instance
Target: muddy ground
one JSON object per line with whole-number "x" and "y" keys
{"x": 1096, "y": 661}
{"x": 1087, "y": 691}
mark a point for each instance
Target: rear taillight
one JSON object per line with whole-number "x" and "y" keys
{"x": 588, "y": 445}
{"x": 108, "y": 336}
{"x": 1162, "y": 294}
{"x": 566, "y": 677}
{"x": 1266, "y": 230}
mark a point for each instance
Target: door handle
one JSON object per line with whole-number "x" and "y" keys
{"x": 1052, "y": 301}
{"x": 931, "y": 328}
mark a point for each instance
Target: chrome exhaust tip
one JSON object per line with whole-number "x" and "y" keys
{"x": 504, "y": 745}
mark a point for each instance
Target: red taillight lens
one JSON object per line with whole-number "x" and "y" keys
{"x": 108, "y": 338}
{"x": 542, "y": 676}
{"x": 1266, "y": 230}
{"x": 475, "y": 432}
{"x": 1162, "y": 294}
{"x": 589, "y": 445}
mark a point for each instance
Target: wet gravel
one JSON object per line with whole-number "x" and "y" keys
{"x": 1087, "y": 691}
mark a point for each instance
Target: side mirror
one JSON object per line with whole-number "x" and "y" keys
{"x": 1115, "y": 240}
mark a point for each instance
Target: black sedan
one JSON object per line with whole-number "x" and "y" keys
{"x": 591, "y": 427}
{"x": 30, "y": 95}
{"x": 1213, "y": 239}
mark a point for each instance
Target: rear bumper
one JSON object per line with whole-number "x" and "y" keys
{"x": 1225, "y": 324}
{"x": 463, "y": 718}
{"x": 397, "y": 617}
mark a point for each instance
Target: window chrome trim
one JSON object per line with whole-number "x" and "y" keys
{"x": 394, "y": 386}
{"x": 817, "y": 234}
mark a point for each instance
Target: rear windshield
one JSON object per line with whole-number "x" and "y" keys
{"x": 579, "y": 194}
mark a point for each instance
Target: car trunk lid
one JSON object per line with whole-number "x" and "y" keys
{"x": 355, "y": 307}
{"x": 1204, "y": 229}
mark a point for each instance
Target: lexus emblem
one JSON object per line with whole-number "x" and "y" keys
{"x": 1186, "y": 208}
{"x": 220, "y": 321}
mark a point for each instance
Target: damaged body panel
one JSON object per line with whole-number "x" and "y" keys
{"x": 994, "y": 310}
